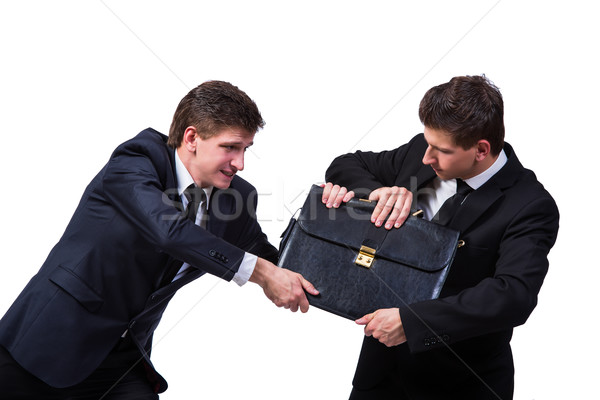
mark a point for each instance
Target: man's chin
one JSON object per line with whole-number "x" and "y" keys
{"x": 441, "y": 175}
{"x": 223, "y": 184}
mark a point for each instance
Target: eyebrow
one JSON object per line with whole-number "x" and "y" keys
{"x": 442, "y": 149}
{"x": 237, "y": 144}
{"x": 438, "y": 148}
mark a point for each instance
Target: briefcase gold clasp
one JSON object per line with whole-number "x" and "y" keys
{"x": 365, "y": 257}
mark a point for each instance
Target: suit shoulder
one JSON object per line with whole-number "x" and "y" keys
{"x": 241, "y": 185}
{"x": 525, "y": 180}
{"x": 529, "y": 185}
{"x": 148, "y": 138}
{"x": 148, "y": 142}
{"x": 416, "y": 144}
{"x": 418, "y": 140}
{"x": 147, "y": 150}
{"x": 527, "y": 196}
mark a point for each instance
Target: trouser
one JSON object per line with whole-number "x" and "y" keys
{"x": 122, "y": 376}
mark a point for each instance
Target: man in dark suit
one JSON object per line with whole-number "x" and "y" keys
{"x": 162, "y": 212}
{"x": 457, "y": 346}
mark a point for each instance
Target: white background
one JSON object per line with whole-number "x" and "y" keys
{"x": 79, "y": 77}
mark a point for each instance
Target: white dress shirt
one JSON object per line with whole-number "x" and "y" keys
{"x": 431, "y": 197}
{"x": 184, "y": 179}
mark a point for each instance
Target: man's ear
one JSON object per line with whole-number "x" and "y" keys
{"x": 483, "y": 150}
{"x": 189, "y": 139}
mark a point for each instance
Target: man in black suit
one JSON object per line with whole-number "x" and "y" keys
{"x": 457, "y": 346}
{"x": 162, "y": 212}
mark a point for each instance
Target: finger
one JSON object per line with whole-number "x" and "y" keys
{"x": 406, "y": 207}
{"x": 304, "y": 305}
{"x": 309, "y": 287}
{"x": 400, "y": 210}
{"x": 337, "y": 200}
{"x": 375, "y": 216}
{"x": 364, "y": 320}
{"x": 369, "y": 330}
{"x": 401, "y": 218}
{"x": 335, "y": 189}
{"x": 294, "y": 307}
{"x": 384, "y": 206}
{"x": 348, "y": 196}
{"x": 326, "y": 191}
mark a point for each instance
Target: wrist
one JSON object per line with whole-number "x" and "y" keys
{"x": 261, "y": 272}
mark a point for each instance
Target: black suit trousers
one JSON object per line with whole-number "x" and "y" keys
{"x": 122, "y": 376}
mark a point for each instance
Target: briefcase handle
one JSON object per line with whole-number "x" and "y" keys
{"x": 361, "y": 204}
{"x": 369, "y": 205}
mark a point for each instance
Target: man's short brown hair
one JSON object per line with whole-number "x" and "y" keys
{"x": 470, "y": 108}
{"x": 211, "y": 107}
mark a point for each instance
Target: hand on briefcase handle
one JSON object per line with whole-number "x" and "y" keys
{"x": 359, "y": 268}
{"x": 392, "y": 204}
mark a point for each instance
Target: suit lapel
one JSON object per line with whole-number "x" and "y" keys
{"x": 417, "y": 181}
{"x": 172, "y": 197}
{"x": 484, "y": 197}
{"x": 475, "y": 205}
{"x": 221, "y": 206}
{"x": 424, "y": 176}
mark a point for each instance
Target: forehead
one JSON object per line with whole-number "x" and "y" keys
{"x": 234, "y": 136}
{"x": 439, "y": 138}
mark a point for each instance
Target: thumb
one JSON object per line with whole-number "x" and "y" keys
{"x": 309, "y": 287}
{"x": 365, "y": 319}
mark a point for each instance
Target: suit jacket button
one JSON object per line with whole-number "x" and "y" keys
{"x": 212, "y": 253}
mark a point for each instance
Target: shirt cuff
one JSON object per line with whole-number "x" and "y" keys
{"x": 246, "y": 269}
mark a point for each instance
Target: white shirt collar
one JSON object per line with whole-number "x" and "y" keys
{"x": 184, "y": 179}
{"x": 477, "y": 181}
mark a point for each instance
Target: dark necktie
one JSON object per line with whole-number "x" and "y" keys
{"x": 195, "y": 197}
{"x": 451, "y": 206}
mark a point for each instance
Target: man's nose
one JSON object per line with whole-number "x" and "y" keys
{"x": 238, "y": 162}
{"x": 427, "y": 159}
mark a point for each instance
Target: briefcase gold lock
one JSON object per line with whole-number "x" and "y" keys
{"x": 365, "y": 257}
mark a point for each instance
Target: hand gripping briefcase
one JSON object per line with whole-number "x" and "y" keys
{"x": 359, "y": 268}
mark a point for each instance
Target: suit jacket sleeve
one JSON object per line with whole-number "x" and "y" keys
{"x": 365, "y": 171}
{"x": 257, "y": 243}
{"x": 246, "y": 233}
{"x": 132, "y": 183}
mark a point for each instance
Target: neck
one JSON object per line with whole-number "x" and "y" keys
{"x": 482, "y": 166}
{"x": 186, "y": 158}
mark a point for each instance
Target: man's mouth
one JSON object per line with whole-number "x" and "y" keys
{"x": 228, "y": 173}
